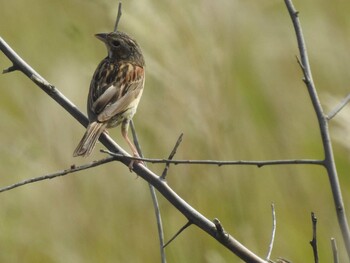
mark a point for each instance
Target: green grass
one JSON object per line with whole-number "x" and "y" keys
{"x": 222, "y": 72}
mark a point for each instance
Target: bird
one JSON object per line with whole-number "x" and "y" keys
{"x": 115, "y": 90}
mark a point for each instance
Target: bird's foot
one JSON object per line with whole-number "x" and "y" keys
{"x": 131, "y": 164}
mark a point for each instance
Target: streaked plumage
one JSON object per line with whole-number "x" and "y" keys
{"x": 115, "y": 90}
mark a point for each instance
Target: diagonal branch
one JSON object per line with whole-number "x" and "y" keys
{"x": 329, "y": 162}
{"x": 181, "y": 205}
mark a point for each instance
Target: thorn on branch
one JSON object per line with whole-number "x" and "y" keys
{"x": 10, "y": 69}
{"x": 178, "y": 233}
{"x": 306, "y": 78}
{"x": 301, "y": 65}
{"x": 220, "y": 230}
{"x": 313, "y": 242}
{"x": 171, "y": 156}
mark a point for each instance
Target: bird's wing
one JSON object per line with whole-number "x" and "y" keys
{"x": 121, "y": 98}
{"x": 105, "y": 98}
{"x": 102, "y": 87}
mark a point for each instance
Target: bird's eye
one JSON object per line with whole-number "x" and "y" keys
{"x": 116, "y": 43}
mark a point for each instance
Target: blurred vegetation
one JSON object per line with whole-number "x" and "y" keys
{"x": 222, "y": 72}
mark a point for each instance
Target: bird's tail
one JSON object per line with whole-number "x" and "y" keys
{"x": 88, "y": 142}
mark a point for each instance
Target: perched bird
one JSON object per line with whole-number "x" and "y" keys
{"x": 115, "y": 90}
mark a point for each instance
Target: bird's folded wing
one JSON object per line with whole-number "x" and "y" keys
{"x": 105, "y": 98}
{"x": 129, "y": 100}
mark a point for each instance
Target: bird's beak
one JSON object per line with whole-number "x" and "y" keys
{"x": 102, "y": 37}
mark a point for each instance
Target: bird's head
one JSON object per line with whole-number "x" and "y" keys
{"x": 121, "y": 47}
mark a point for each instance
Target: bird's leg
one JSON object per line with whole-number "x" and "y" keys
{"x": 125, "y": 127}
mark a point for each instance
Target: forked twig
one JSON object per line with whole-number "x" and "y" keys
{"x": 329, "y": 162}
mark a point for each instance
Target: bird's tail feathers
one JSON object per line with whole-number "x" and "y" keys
{"x": 88, "y": 142}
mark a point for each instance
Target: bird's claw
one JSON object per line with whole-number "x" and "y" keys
{"x": 132, "y": 162}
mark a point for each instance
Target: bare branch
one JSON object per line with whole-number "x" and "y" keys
{"x": 159, "y": 222}
{"x": 216, "y": 162}
{"x": 71, "y": 170}
{"x": 154, "y": 199}
{"x": 178, "y": 232}
{"x": 119, "y": 15}
{"x": 334, "y": 250}
{"x": 171, "y": 156}
{"x": 313, "y": 242}
{"x": 273, "y": 232}
{"x": 135, "y": 138}
{"x": 329, "y": 161}
{"x": 338, "y": 108}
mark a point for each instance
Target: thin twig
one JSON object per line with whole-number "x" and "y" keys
{"x": 119, "y": 15}
{"x": 159, "y": 223}
{"x": 154, "y": 199}
{"x": 216, "y": 162}
{"x": 171, "y": 156}
{"x": 282, "y": 260}
{"x": 135, "y": 138}
{"x": 273, "y": 232}
{"x": 329, "y": 162}
{"x": 178, "y": 232}
{"x": 334, "y": 250}
{"x": 71, "y": 170}
{"x": 313, "y": 242}
{"x": 338, "y": 108}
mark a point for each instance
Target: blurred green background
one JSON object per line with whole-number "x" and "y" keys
{"x": 222, "y": 72}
